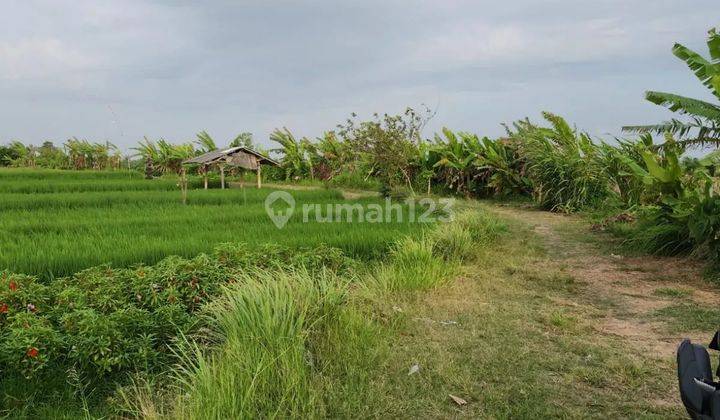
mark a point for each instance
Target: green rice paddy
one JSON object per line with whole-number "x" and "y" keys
{"x": 55, "y": 223}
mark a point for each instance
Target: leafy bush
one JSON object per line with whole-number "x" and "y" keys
{"x": 104, "y": 321}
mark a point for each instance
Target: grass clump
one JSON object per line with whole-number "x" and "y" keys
{"x": 281, "y": 344}
{"x": 415, "y": 266}
{"x": 264, "y": 366}
{"x": 672, "y": 292}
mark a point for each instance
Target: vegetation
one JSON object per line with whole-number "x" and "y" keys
{"x": 118, "y": 298}
{"x": 123, "y": 219}
{"x": 246, "y": 313}
{"x": 704, "y": 129}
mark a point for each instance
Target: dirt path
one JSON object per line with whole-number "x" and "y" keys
{"x": 548, "y": 322}
{"x": 630, "y": 294}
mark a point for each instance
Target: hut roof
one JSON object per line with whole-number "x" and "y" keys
{"x": 221, "y": 155}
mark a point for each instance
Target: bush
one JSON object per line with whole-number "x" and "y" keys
{"x": 355, "y": 181}
{"x": 104, "y": 321}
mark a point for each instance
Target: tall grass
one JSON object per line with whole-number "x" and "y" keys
{"x": 565, "y": 166}
{"x": 427, "y": 261}
{"x": 263, "y": 362}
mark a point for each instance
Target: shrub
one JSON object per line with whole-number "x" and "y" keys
{"x": 104, "y": 321}
{"x": 564, "y": 166}
{"x": 354, "y": 180}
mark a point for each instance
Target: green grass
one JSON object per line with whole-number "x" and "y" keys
{"x": 684, "y": 317}
{"x": 672, "y": 292}
{"x": 74, "y": 224}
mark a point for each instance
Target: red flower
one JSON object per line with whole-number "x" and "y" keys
{"x": 33, "y": 352}
{"x": 3, "y": 308}
{"x": 13, "y": 285}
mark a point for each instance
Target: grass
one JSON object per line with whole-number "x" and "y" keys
{"x": 76, "y": 223}
{"x": 300, "y": 345}
{"x": 672, "y": 292}
{"x": 509, "y": 331}
{"x": 262, "y": 368}
{"x": 683, "y": 317}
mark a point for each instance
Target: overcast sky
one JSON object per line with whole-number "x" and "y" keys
{"x": 124, "y": 69}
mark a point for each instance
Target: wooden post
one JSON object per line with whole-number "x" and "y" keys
{"x": 183, "y": 185}
{"x": 222, "y": 176}
{"x": 259, "y": 181}
{"x": 205, "y": 176}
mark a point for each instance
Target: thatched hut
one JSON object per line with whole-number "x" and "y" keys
{"x": 240, "y": 156}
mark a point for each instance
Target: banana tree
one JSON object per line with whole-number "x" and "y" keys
{"x": 455, "y": 162}
{"x": 704, "y": 126}
{"x": 504, "y": 170}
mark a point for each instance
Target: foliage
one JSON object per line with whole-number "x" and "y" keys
{"x": 162, "y": 157}
{"x": 483, "y": 167}
{"x": 564, "y": 165}
{"x": 205, "y": 142}
{"x": 294, "y": 161}
{"x": 388, "y": 143}
{"x": 244, "y": 139}
{"x": 354, "y": 181}
{"x": 704, "y": 127}
{"x": 104, "y": 321}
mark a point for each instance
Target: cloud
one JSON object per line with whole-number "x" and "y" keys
{"x": 39, "y": 58}
{"x": 172, "y": 68}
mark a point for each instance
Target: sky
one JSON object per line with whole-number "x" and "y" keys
{"x": 120, "y": 70}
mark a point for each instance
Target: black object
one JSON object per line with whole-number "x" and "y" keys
{"x": 699, "y": 393}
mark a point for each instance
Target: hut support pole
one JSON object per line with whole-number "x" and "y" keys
{"x": 222, "y": 177}
{"x": 205, "y": 176}
{"x": 259, "y": 179}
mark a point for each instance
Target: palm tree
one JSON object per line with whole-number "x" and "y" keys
{"x": 149, "y": 153}
{"x": 206, "y": 143}
{"x": 243, "y": 139}
{"x": 704, "y": 127}
{"x": 294, "y": 160}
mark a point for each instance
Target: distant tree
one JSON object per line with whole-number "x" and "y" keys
{"x": 11, "y": 153}
{"x": 243, "y": 139}
{"x": 50, "y": 156}
{"x": 389, "y": 143}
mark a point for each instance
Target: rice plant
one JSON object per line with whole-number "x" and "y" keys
{"x": 83, "y": 223}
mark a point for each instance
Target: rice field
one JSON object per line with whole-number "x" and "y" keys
{"x": 55, "y": 223}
